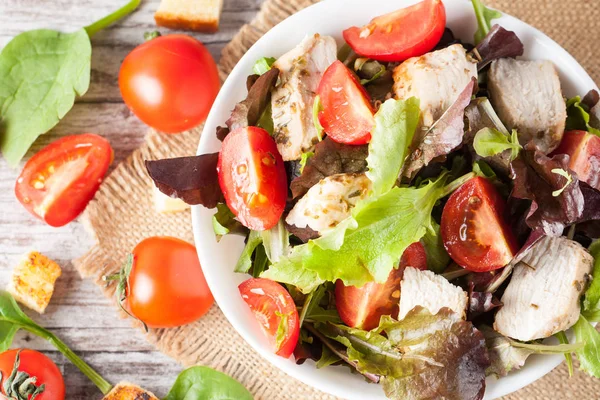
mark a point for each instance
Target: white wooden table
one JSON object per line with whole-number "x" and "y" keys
{"x": 79, "y": 313}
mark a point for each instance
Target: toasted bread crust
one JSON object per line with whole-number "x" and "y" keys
{"x": 173, "y": 21}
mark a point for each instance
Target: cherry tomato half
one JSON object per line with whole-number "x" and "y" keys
{"x": 408, "y": 32}
{"x": 362, "y": 307}
{"x": 474, "y": 230}
{"x": 166, "y": 285}
{"x": 347, "y": 114}
{"x": 252, "y": 177}
{"x": 276, "y": 312}
{"x": 37, "y": 365}
{"x": 59, "y": 181}
{"x": 170, "y": 82}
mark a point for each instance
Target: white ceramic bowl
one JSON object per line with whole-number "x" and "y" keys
{"x": 331, "y": 17}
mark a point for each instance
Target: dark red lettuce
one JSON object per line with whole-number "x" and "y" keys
{"x": 330, "y": 158}
{"x": 498, "y": 43}
{"x": 191, "y": 179}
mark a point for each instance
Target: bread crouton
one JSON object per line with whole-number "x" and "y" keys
{"x": 128, "y": 391}
{"x": 193, "y": 15}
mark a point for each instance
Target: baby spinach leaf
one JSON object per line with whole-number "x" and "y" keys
{"x": 202, "y": 383}
{"x": 484, "y": 17}
{"x": 12, "y": 318}
{"x": 42, "y": 72}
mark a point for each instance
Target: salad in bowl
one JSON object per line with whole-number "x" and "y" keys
{"x": 418, "y": 208}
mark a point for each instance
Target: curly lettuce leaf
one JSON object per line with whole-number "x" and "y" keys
{"x": 589, "y": 355}
{"x": 484, "y": 17}
{"x": 383, "y": 228}
{"x": 424, "y": 356}
{"x": 395, "y": 125}
{"x": 489, "y": 142}
{"x": 578, "y": 116}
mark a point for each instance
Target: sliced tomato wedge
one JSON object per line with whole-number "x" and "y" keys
{"x": 276, "y": 312}
{"x": 474, "y": 230}
{"x": 362, "y": 307}
{"x": 59, "y": 181}
{"x": 347, "y": 114}
{"x": 400, "y": 35}
{"x": 583, "y": 149}
{"x": 252, "y": 177}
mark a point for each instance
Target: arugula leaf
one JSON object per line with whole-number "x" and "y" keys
{"x": 589, "y": 355}
{"x": 313, "y": 311}
{"x": 484, "y": 17}
{"x": 328, "y": 357}
{"x": 263, "y": 65}
{"x": 224, "y": 222}
{"x": 245, "y": 261}
{"x": 578, "y": 116}
{"x": 305, "y": 157}
{"x": 12, "y": 318}
{"x": 591, "y": 300}
{"x": 261, "y": 261}
{"x": 489, "y": 142}
{"x": 395, "y": 125}
{"x": 483, "y": 169}
{"x": 42, "y": 72}
{"x": 437, "y": 256}
{"x": 200, "y": 383}
{"x": 385, "y": 227}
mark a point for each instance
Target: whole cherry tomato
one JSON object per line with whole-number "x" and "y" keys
{"x": 38, "y": 366}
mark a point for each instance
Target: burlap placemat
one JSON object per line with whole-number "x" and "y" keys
{"x": 122, "y": 214}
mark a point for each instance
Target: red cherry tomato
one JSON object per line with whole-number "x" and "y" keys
{"x": 166, "y": 285}
{"x": 584, "y": 151}
{"x": 276, "y": 312}
{"x": 347, "y": 114}
{"x": 37, "y": 365}
{"x": 409, "y": 32}
{"x": 474, "y": 230}
{"x": 170, "y": 82}
{"x": 252, "y": 177}
{"x": 58, "y": 182}
{"x": 362, "y": 307}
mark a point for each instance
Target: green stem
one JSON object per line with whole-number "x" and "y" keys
{"x": 112, "y": 18}
{"x": 305, "y": 307}
{"x": 562, "y": 338}
{"x": 452, "y": 186}
{"x": 102, "y": 384}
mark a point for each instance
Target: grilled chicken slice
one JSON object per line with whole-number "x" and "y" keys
{"x": 527, "y": 97}
{"x": 293, "y": 98}
{"x": 329, "y": 202}
{"x": 542, "y": 297}
{"x": 431, "y": 291}
{"x": 436, "y": 79}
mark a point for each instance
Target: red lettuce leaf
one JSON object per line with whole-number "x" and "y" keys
{"x": 498, "y": 43}
{"x": 534, "y": 180}
{"x": 443, "y": 137}
{"x": 330, "y": 158}
{"x": 191, "y": 179}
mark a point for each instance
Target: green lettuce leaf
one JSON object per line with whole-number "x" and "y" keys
{"x": 276, "y": 241}
{"x": 484, "y": 17}
{"x": 224, "y": 222}
{"x": 304, "y": 159}
{"x": 424, "y": 356}
{"x": 437, "y": 256}
{"x": 263, "y": 65}
{"x": 395, "y": 125}
{"x": 591, "y": 300}
{"x": 578, "y": 116}
{"x": 589, "y": 355}
{"x": 385, "y": 226}
{"x": 489, "y": 142}
{"x": 245, "y": 261}
{"x": 328, "y": 357}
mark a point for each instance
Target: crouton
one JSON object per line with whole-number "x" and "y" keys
{"x": 193, "y": 15}
{"x": 128, "y": 391}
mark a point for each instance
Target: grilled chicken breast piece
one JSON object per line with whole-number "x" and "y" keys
{"x": 543, "y": 295}
{"x": 527, "y": 97}
{"x": 430, "y": 291}
{"x": 329, "y": 202}
{"x": 293, "y": 98}
{"x": 436, "y": 79}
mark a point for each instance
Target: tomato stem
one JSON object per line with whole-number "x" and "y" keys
{"x": 88, "y": 371}
{"x": 452, "y": 186}
{"x": 112, "y": 18}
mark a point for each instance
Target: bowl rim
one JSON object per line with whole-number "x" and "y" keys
{"x": 535, "y": 372}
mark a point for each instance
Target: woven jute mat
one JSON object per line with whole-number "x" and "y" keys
{"x": 122, "y": 213}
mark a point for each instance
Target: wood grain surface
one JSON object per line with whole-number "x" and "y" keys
{"x": 79, "y": 313}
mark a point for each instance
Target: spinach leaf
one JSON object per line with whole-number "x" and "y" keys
{"x": 42, "y": 72}
{"x": 12, "y": 319}
{"x": 484, "y": 17}
{"x": 202, "y": 383}
{"x": 489, "y": 142}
